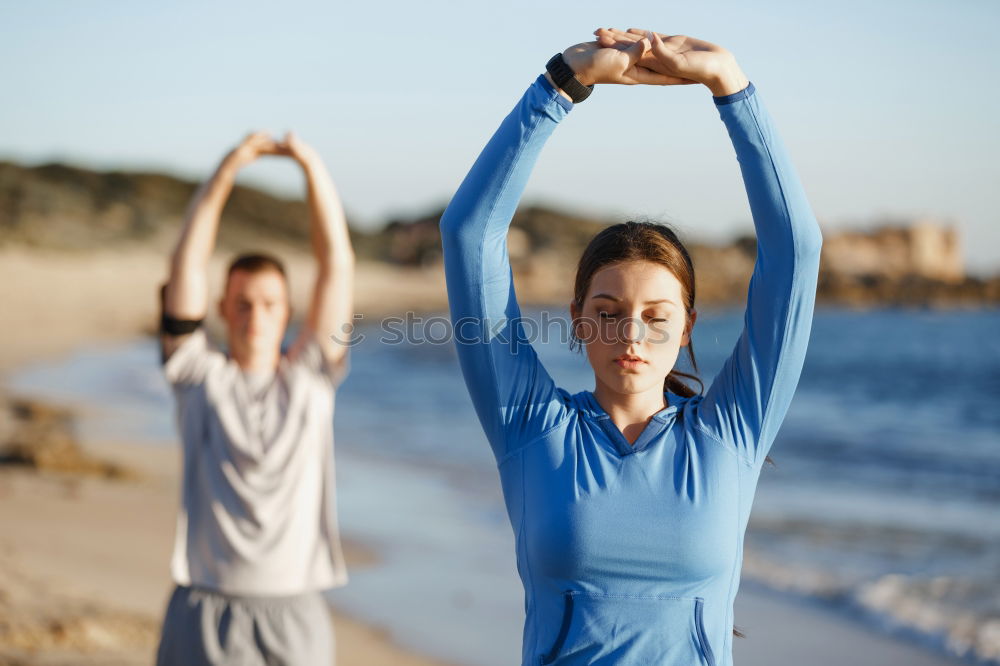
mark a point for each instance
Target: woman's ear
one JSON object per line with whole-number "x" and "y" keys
{"x": 688, "y": 327}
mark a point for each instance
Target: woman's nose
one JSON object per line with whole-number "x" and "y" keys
{"x": 631, "y": 329}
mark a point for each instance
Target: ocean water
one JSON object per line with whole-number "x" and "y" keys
{"x": 884, "y": 498}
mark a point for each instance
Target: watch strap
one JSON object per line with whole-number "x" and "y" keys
{"x": 565, "y": 78}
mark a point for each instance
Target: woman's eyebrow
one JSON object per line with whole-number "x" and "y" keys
{"x": 617, "y": 300}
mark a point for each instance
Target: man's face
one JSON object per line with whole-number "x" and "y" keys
{"x": 256, "y": 310}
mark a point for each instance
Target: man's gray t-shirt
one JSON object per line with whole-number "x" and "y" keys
{"x": 257, "y": 513}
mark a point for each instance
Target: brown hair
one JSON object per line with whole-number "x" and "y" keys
{"x": 642, "y": 241}
{"x": 256, "y": 262}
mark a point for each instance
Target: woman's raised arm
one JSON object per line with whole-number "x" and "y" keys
{"x": 749, "y": 397}
{"x": 510, "y": 389}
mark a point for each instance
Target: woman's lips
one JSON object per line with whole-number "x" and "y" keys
{"x": 628, "y": 362}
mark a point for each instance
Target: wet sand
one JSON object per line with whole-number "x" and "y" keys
{"x": 783, "y": 629}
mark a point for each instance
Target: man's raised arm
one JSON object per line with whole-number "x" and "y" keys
{"x": 185, "y": 296}
{"x": 331, "y": 309}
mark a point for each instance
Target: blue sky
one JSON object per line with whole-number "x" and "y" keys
{"x": 889, "y": 108}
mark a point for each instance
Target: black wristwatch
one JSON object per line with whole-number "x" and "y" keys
{"x": 564, "y": 77}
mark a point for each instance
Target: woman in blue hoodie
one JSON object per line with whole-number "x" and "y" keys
{"x": 629, "y": 502}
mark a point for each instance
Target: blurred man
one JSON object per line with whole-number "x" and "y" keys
{"x": 257, "y": 536}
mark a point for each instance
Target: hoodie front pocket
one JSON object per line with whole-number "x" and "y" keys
{"x": 620, "y": 629}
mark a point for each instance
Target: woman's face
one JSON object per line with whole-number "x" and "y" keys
{"x": 633, "y": 323}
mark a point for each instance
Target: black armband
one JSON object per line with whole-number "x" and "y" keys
{"x": 174, "y": 326}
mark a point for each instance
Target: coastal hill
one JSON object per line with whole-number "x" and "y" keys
{"x": 55, "y": 207}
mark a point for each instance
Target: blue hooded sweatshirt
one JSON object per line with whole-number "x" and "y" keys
{"x": 629, "y": 554}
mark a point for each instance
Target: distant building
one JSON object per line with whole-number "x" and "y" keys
{"x": 925, "y": 248}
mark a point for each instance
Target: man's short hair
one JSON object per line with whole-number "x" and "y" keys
{"x": 256, "y": 262}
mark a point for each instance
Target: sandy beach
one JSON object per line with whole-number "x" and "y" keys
{"x": 84, "y": 566}
{"x": 84, "y": 559}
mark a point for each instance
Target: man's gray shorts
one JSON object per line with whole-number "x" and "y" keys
{"x": 206, "y": 628}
